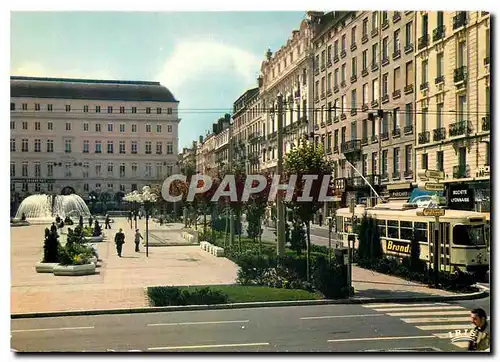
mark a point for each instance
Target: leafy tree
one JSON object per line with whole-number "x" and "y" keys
{"x": 307, "y": 159}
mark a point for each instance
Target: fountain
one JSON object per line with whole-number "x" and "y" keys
{"x": 42, "y": 209}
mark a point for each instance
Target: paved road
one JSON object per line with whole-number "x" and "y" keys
{"x": 335, "y": 328}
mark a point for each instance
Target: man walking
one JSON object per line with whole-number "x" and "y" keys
{"x": 106, "y": 222}
{"x": 137, "y": 240}
{"x": 119, "y": 241}
{"x": 480, "y": 335}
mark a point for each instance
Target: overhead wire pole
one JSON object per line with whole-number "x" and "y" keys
{"x": 279, "y": 196}
{"x": 230, "y": 168}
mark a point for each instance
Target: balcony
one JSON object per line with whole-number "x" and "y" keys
{"x": 385, "y": 24}
{"x": 329, "y": 63}
{"x": 486, "y": 126}
{"x": 384, "y": 136}
{"x": 328, "y": 92}
{"x": 364, "y": 141}
{"x": 424, "y": 137}
{"x": 353, "y": 47}
{"x": 316, "y": 71}
{"x": 423, "y": 42}
{"x": 396, "y": 132}
{"x": 364, "y": 38}
{"x": 323, "y": 95}
{"x": 336, "y": 119}
{"x": 343, "y": 116}
{"x": 396, "y": 17}
{"x": 461, "y": 171}
{"x": 396, "y": 94}
{"x": 336, "y": 149}
{"x": 328, "y": 151}
{"x": 343, "y": 53}
{"x": 424, "y": 86}
{"x": 351, "y": 146}
{"x": 438, "y": 33}
{"x": 335, "y": 89}
{"x": 364, "y": 107}
{"x": 396, "y": 54}
{"x": 374, "y": 139}
{"x": 459, "y": 20}
{"x": 353, "y": 79}
{"x": 353, "y": 111}
{"x": 486, "y": 60}
{"x": 343, "y": 84}
{"x": 408, "y": 48}
{"x": 328, "y": 121}
{"x": 460, "y": 128}
{"x": 460, "y": 74}
{"x": 374, "y": 67}
{"x": 316, "y": 127}
{"x": 374, "y": 32}
{"x": 358, "y": 181}
{"x": 385, "y": 60}
{"x": 439, "y": 79}
{"x": 336, "y": 58}
{"x": 322, "y": 125}
{"x": 408, "y": 89}
{"x": 273, "y": 135}
{"x": 316, "y": 99}
{"x": 374, "y": 103}
{"x": 385, "y": 98}
{"x": 408, "y": 173}
{"x": 439, "y": 134}
{"x": 396, "y": 175}
{"x": 364, "y": 72}
{"x": 384, "y": 176}
{"x": 323, "y": 67}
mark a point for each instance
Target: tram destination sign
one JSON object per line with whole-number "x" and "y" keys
{"x": 434, "y": 186}
{"x": 431, "y": 212}
{"x": 435, "y": 174}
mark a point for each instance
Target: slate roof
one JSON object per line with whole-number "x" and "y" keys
{"x": 65, "y": 88}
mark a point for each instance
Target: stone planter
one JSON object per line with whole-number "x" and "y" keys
{"x": 94, "y": 239}
{"x": 74, "y": 270}
{"x": 19, "y": 223}
{"x": 45, "y": 267}
{"x": 93, "y": 260}
{"x": 218, "y": 252}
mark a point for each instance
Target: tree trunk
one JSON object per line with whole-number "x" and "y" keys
{"x": 308, "y": 257}
{"x": 260, "y": 239}
{"x": 204, "y": 222}
{"x": 238, "y": 219}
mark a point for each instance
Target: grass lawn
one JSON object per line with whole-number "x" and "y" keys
{"x": 243, "y": 293}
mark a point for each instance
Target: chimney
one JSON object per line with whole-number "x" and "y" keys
{"x": 201, "y": 139}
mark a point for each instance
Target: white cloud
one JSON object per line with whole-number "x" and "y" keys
{"x": 33, "y": 69}
{"x": 195, "y": 59}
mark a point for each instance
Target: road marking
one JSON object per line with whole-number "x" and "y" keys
{"x": 209, "y": 346}
{"x": 344, "y": 316}
{"x": 437, "y": 319}
{"x": 195, "y": 323}
{"x": 378, "y": 338}
{"x": 417, "y": 308}
{"x": 438, "y": 327}
{"x": 445, "y": 312}
{"x": 49, "y": 329}
{"x": 388, "y": 305}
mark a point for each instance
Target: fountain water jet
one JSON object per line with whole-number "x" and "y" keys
{"x": 42, "y": 209}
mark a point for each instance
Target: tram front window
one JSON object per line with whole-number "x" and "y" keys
{"x": 469, "y": 235}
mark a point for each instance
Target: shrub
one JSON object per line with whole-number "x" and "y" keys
{"x": 165, "y": 296}
{"x": 330, "y": 280}
{"x": 51, "y": 247}
{"x": 97, "y": 231}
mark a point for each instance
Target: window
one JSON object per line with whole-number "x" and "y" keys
{"x": 365, "y": 164}
{"x": 169, "y": 110}
{"x": 12, "y": 169}
{"x": 336, "y": 139}
{"x": 462, "y": 107}
{"x": 468, "y": 235}
{"x": 343, "y": 72}
{"x": 374, "y": 54}
{"x": 50, "y": 126}
{"x": 353, "y": 100}
{"x": 425, "y": 24}
{"x": 134, "y": 170}
{"x": 439, "y": 115}
{"x": 12, "y": 145}
{"x": 169, "y": 129}
{"x": 393, "y": 229}
{"x": 122, "y": 170}
{"x": 396, "y": 118}
{"x": 440, "y": 160}
{"x": 98, "y": 147}
{"x": 86, "y": 109}
{"x": 322, "y": 88}
{"x": 336, "y": 49}
{"x": 397, "y": 41}
{"x": 25, "y": 106}
{"x": 110, "y": 168}
{"x": 122, "y": 188}
{"x": 134, "y": 109}
{"x": 406, "y": 230}
{"x": 409, "y": 73}
{"x": 374, "y": 20}
{"x": 365, "y": 27}
{"x": 24, "y": 169}
{"x": 397, "y": 74}
{"x": 344, "y": 41}
{"x": 385, "y": 84}
{"x": 158, "y": 128}
{"x": 110, "y": 109}
{"x": 50, "y": 146}
{"x": 122, "y": 109}
{"x": 98, "y": 186}
{"x": 110, "y": 127}
{"x": 343, "y": 105}
{"x": 24, "y": 145}
{"x": 37, "y": 126}
{"x": 425, "y": 161}
{"x": 440, "y": 64}
{"x": 343, "y": 135}
{"x": 97, "y": 109}
{"x": 353, "y": 35}
{"x": 37, "y": 145}
{"x": 86, "y": 127}
{"x": 133, "y": 147}
{"x": 67, "y": 146}
{"x": 354, "y": 62}
{"x": 382, "y": 227}
{"x": 374, "y": 163}
{"x": 68, "y": 108}
{"x": 385, "y": 48}
{"x": 85, "y": 171}
{"x": 396, "y": 160}
{"x": 329, "y": 82}
{"x": 12, "y": 106}
{"x": 38, "y": 170}
{"x": 409, "y": 34}
{"x": 148, "y": 110}
{"x": 86, "y": 187}
{"x": 134, "y": 128}
{"x": 68, "y": 126}
{"x": 98, "y": 127}
{"x": 159, "y": 169}
{"x": 50, "y": 170}
{"x": 37, "y": 106}
{"x": 25, "y": 125}
{"x": 424, "y": 71}
{"x": 148, "y": 147}
{"x": 365, "y": 59}
{"x": 336, "y": 78}
{"x": 98, "y": 170}
{"x": 122, "y": 147}
{"x": 329, "y": 54}
{"x": 408, "y": 156}
{"x": 110, "y": 147}
{"x": 170, "y": 148}
{"x": 409, "y": 114}
{"x": 385, "y": 160}
{"x": 461, "y": 54}
{"x": 148, "y": 170}
{"x": 375, "y": 90}
{"x": 12, "y": 125}
{"x": 67, "y": 169}
{"x": 354, "y": 131}
{"x": 322, "y": 60}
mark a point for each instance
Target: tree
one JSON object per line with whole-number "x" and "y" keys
{"x": 51, "y": 247}
{"x": 307, "y": 159}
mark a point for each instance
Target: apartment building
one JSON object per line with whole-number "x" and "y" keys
{"x": 453, "y": 103}
{"x": 187, "y": 159}
{"x": 75, "y": 135}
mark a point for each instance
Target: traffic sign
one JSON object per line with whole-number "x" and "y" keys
{"x": 435, "y": 174}
{"x": 433, "y": 186}
{"x": 431, "y": 212}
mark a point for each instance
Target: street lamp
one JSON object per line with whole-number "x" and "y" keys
{"x": 147, "y": 198}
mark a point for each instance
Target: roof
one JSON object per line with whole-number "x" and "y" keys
{"x": 66, "y": 88}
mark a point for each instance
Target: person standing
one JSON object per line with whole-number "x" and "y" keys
{"x": 119, "y": 241}
{"x": 137, "y": 240}
{"x": 106, "y": 222}
{"x": 480, "y": 335}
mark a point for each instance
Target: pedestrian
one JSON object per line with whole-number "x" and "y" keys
{"x": 137, "y": 240}
{"x": 53, "y": 228}
{"x": 91, "y": 221}
{"x": 130, "y": 218}
{"x": 119, "y": 241}
{"x": 58, "y": 220}
{"x": 80, "y": 221}
{"x": 135, "y": 220}
{"x": 480, "y": 335}
{"x": 106, "y": 222}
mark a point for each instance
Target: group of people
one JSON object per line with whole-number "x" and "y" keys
{"x": 120, "y": 240}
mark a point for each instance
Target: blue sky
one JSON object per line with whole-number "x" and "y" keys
{"x": 207, "y": 59}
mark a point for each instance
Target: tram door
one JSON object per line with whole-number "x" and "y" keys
{"x": 445, "y": 247}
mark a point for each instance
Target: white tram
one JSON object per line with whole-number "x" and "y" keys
{"x": 463, "y": 234}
